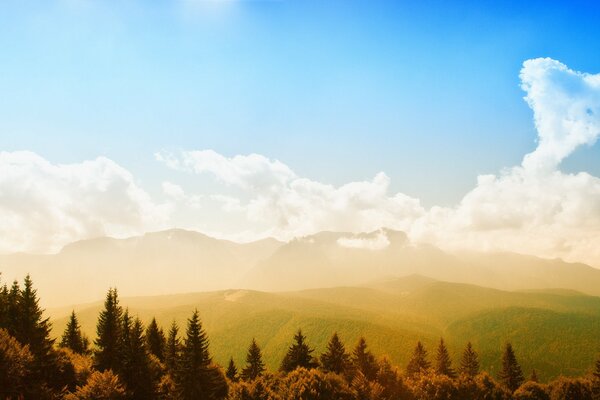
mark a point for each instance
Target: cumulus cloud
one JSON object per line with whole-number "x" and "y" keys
{"x": 535, "y": 208}
{"x": 293, "y": 206}
{"x": 44, "y": 206}
{"x": 566, "y": 109}
{"x": 530, "y": 208}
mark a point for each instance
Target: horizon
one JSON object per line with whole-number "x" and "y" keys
{"x": 299, "y": 199}
{"x": 498, "y": 153}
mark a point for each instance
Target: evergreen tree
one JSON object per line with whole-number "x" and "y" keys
{"x": 109, "y": 331}
{"x": 135, "y": 369}
{"x": 469, "y": 364}
{"x": 232, "y": 372}
{"x": 418, "y": 362}
{"x": 73, "y": 338}
{"x": 48, "y": 374}
{"x": 510, "y": 374}
{"x": 12, "y": 310}
{"x": 156, "y": 341}
{"x": 254, "y": 363}
{"x": 298, "y": 355}
{"x": 196, "y": 378}
{"x": 3, "y": 306}
{"x": 335, "y": 359}
{"x": 534, "y": 377}
{"x": 443, "y": 363}
{"x": 172, "y": 348}
{"x": 364, "y": 361}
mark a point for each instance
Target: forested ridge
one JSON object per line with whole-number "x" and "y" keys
{"x": 128, "y": 360}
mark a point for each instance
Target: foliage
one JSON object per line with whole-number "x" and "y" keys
{"x": 108, "y": 331}
{"x": 254, "y": 363}
{"x": 232, "y": 372}
{"x": 510, "y": 374}
{"x": 469, "y": 364}
{"x": 197, "y": 378}
{"x": 100, "y": 386}
{"x": 531, "y": 391}
{"x": 335, "y": 359}
{"x": 73, "y": 338}
{"x": 570, "y": 389}
{"x": 299, "y": 355}
{"x": 418, "y": 363}
{"x": 15, "y": 363}
{"x": 443, "y": 363}
{"x": 155, "y": 340}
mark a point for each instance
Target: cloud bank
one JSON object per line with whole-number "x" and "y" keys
{"x": 531, "y": 208}
{"x": 44, "y": 206}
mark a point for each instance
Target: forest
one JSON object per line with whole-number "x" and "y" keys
{"x": 128, "y": 360}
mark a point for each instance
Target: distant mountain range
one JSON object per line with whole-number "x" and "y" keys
{"x": 178, "y": 261}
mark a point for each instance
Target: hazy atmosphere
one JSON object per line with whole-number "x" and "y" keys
{"x": 417, "y": 175}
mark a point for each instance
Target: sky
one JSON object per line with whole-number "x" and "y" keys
{"x": 246, "y": 119}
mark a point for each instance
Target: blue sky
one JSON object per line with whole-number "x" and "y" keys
{"x": 426, "y": 91}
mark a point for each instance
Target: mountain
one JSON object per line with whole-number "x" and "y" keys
{"x": 178, "y": 261}
{"x": 555, "y": 333}
{"x": 172, "y": 261}
{"x": 333, "y": 259}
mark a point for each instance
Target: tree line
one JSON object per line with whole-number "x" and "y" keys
{"x": 128, "y": 360}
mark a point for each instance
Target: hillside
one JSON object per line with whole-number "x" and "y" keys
{"x": 392, "y": 315}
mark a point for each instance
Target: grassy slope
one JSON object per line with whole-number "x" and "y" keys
{"x": 554, "y": 332}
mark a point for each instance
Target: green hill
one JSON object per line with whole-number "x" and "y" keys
{"x": 554, "y": 332}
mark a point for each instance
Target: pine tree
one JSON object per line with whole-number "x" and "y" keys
{"x": 12, "y": 310}
{"x": 3, "y": 306}
{"x": 196, "y": 378}
{"x": 172, "y": 348}
{"x": 254, "y": 363}
{"x": 469, "y": 364}
{"x": 156, "y": 341}
{"x": 364, "y": 361}
{"x": 135, "y": 369}
{"x": 335, "y": 359}
{"x": 418, "y": 362}
{"x": 443, "y": 363}
{"x": 510, "y": 374}
{"x": 108, "y": 331}
{"x": 48, "y": 374}
{"x": 298, "y": 355}
{"x": 534, "y": 377}
{"x": 73, "y": 338}
{"x": 232, "y": 372}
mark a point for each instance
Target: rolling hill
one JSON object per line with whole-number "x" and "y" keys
{"x": 392, "y": 315}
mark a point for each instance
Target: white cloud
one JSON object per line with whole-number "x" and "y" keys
{"x": 566, "y": 108}
{"x": 531, "y": 208}
{"x": 252, "y": 171}
{"x": 173, "y": 190}
{"x": 291, "y": 206}
{"x": 44, "y": 206}
{"x": 378, "y": 241}
{"x": 535, "y": 208}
